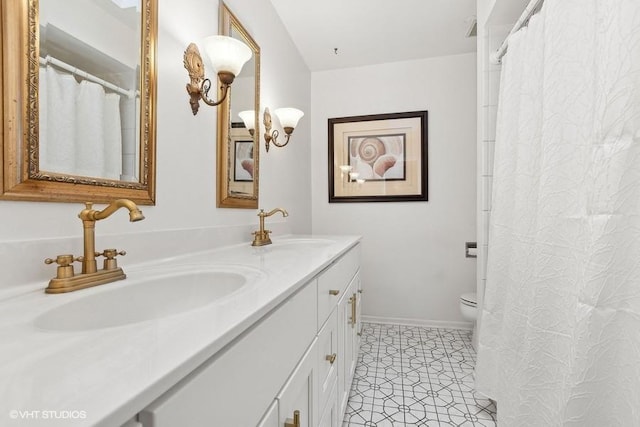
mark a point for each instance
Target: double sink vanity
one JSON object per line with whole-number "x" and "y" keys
{"x": 233, "y": 336}
{"x": 237, "y": 335}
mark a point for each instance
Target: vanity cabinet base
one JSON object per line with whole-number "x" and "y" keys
{"x": 236, "y": 387}
{"x": 300, "y": 359}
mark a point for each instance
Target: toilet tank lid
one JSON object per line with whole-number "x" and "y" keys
{"x": 471, "y": 297}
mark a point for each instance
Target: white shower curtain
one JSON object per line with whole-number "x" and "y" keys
{"x": 559, "y": 337}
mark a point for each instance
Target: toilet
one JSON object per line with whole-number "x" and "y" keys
{"x": 468, "y": 306}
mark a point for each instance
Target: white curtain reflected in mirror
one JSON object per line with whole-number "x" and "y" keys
{"x": 89, "y": 94}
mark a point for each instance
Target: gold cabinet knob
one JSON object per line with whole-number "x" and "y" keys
{"x": 295, "y": 422}
{"x": 334, "y": 292}
{"x": 331, "y": 358}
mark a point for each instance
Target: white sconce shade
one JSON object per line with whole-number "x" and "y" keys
{"x": 249, "y": 118}
{"x": 226, "y": 54}
{"x": 288, "y": 117}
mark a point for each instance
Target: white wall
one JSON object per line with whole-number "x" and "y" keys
{"x": 186, "y": 148}
{"x": 413, "y": 264}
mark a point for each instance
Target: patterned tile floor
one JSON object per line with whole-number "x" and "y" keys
{"x": 414, "y": 376}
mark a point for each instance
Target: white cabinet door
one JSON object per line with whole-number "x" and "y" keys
{"x": 327, "y": 358}
{"x": 345, "y": 349}
{"x": 270, "y": 419}
{"x": 348, "y": 340}
{"x": 299, "y": 394}
{"x": 358, "y": 291}
{"x": 330, "y": 416}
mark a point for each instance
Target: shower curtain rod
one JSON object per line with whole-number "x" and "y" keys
{"x": 531, "y": 9}
{"x": 76, "y": 71}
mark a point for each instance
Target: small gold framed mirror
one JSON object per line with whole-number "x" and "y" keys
{"x": 238, "y": 152}
{"x": 79, "y": 100}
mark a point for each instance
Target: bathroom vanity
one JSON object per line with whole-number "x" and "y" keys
{"x": 278, "y": 337}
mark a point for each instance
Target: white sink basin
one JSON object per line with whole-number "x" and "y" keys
{"x": 148, "y": 295}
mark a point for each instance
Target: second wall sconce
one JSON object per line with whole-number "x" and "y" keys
{"x": 227, "y": 56}
{"x": 288, "y": 117}
{"x": 249, "y": 119}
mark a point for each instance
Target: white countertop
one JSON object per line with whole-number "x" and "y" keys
{"x": 103, "y": 377}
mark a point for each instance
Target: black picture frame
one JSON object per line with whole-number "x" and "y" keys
{"x": 379, "y": 158}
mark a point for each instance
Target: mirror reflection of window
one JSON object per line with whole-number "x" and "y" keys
{"x": 89, "y": 98}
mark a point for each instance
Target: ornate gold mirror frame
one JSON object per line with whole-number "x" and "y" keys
{"x": 20, "y": 177}
{"x": 232, "y": 192}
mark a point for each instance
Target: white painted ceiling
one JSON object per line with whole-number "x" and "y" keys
{"x": 369, "y": 32}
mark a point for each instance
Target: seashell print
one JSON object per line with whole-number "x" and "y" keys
{"x": 394, "y": 145}
{"x": 370, "y": 149}
{"x": 247, "y": 164}
{"x": 383, "y": 164}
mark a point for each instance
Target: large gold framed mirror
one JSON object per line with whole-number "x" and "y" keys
{"x": 79, "y": 100}
{"x": 238, "y": 152}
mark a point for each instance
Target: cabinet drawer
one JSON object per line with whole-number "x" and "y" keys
{"x": 336, "y": 278}
{"x": 237, "y": 385}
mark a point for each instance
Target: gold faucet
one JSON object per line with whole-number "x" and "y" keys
{"x": 66, "y": 280}
{"x": 262, "y": 236}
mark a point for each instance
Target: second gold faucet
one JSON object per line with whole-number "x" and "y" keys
{"x": 262, "y": 236}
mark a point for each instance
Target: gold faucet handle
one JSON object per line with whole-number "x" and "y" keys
{"x": 110, "y": 255}
{"x": 62, "y": 260}
{"x": 65, "y": 269}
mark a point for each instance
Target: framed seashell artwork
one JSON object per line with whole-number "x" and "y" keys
{"x": 378, "y": 158}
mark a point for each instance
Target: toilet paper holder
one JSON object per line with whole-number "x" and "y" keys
{"x": 467, "y": 249}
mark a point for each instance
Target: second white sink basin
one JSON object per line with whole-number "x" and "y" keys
{"x": 148, "y": 295}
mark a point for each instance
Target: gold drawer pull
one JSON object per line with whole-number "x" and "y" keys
{"x": 353, "y": 302}
{"x": 295, "y": 422}
{"x": 334, "y": 292}
{"x": 331, "y": 358}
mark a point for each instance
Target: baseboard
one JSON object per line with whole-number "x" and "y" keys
{"x": 445, "y": 324}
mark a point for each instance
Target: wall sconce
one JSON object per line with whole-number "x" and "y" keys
{"x": 288, "y": 117}
{"x": 227, "y": 56}
{"x": 249, "y": 119}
